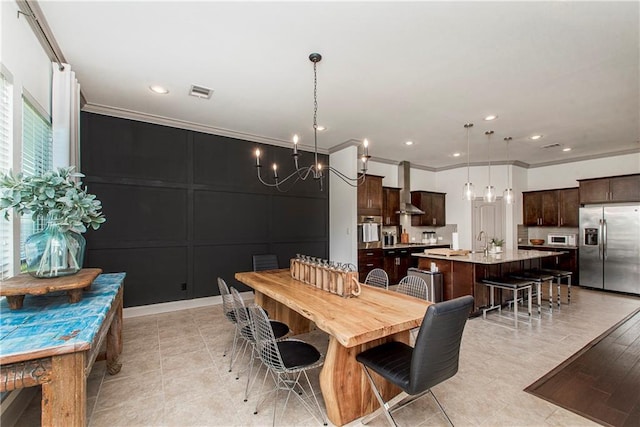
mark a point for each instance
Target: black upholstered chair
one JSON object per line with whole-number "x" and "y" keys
{"x": 265, "y": 262}
{"x": 416, "y": 370}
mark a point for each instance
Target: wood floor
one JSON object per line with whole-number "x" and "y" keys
{"x": 601, "y": 381}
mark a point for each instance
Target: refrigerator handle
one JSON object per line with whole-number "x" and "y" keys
{"x": 600, "y": 234}
{"x": 604, "y": 239}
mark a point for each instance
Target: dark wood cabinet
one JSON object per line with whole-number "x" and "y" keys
{"x": 398, "y": 261}
{"x": 433, "y": 205}
{"x": 551, "y": 208}
{"x": 370, "y": 196}
{"x": 368, "y": 259}
{"x": 390, "y": 205}
{"x": 569, "y": 207}
{"x": 611, "y": 189}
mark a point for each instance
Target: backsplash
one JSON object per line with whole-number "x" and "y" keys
{"x": 525, "y": 233}
{"x": 415, "y": 233}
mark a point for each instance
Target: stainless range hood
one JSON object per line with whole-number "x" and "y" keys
{"x": 404, "y": 178}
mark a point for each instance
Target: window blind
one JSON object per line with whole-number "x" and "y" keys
{"x": 6, "y": 138}
{"x": 37, "y": 158}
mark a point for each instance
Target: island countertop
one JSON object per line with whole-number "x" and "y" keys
{"x": 498, "y": 258}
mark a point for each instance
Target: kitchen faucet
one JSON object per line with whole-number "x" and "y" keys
{"x": 485, "y": 250}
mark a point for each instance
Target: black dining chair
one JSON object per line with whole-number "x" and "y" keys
{"x": 416, "y": 370}
{"x": 265, "y": 262}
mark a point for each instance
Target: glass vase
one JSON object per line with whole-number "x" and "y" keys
{"x": 54, "y": 252}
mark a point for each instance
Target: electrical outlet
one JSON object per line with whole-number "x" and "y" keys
{"x": 183, "y": 286}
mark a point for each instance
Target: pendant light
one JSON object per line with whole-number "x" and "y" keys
{"x": 489, "y": 191}
{"x": 507, "y": 194}
{"x": 468, "y": 192}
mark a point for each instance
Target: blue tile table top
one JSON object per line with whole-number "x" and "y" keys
{"x": 49, "y": 324}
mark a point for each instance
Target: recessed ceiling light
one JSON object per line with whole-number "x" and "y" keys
{"x": 491, "y": 117}
{"x": 534, "y": 137}
{"x": 408, "y": 143}
{"x": 456, "y": 154}
{"x": 159, "y": 89}
{"x": 566, "y": 149}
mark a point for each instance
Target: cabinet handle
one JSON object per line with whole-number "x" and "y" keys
{"x": 434, "y": 221}
{"x": 369, "y": 265}
{"x": 397, "y": 261}
{"x": 369, "y": 253}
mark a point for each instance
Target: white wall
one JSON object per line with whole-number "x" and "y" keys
{"x": 343, "y": 200}
{"x": 387, "y": 170}
{"x": 565, "y": 175}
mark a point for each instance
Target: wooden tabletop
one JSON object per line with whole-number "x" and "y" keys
{"x": 375, "y": 314}
{"x": 25, "y": 284}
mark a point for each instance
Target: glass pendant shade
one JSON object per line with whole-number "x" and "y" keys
{"x": 507, "y": 196}
{"x": 468, "y": 192}
{"x": 489, "y": 194}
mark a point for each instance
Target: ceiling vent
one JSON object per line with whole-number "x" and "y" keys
{"x": 551, "y": 145}
{"x": 200, "y": 92}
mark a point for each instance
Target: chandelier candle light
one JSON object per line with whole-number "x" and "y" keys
{"x": 315, "y": 170}
{"x": 468, "y": 192}
{"x": 507, "y": 194}
{"x": 489, "y": 191}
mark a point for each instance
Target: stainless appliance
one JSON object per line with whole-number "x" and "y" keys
{"x": 433, "y": 280}
{"x": 609, "y": 251}
{"x": 561, "y": 239}
{"x": 369, "y": 231}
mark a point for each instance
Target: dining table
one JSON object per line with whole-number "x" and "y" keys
{"x": 353, "y": 324}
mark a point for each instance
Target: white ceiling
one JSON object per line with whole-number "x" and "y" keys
{"x": 391, "y": 71}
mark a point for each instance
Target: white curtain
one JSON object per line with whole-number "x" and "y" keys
{"x": 65, "y": 117}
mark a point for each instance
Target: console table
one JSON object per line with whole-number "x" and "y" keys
{"x": 53, "y": 343}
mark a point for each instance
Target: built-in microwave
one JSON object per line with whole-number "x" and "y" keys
{"x": 561, "y": 239}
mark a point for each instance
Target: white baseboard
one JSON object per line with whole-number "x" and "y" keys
{"x": 167, "y": 307}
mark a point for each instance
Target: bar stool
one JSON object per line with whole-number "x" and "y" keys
{"x": 559, "y": 275}
{"x": 538, "y": 277}
{"x": 510, "y": 284}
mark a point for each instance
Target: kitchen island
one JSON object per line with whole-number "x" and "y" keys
{"x": 463, "y": 274}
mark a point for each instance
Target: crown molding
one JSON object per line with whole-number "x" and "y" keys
{"x": 187, "y": 125}
{"x": 584, "y": 158}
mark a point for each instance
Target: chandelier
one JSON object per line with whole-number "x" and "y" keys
{"x": 315, "y": 170}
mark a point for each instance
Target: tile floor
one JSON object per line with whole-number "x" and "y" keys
{"x": 174, "y": 374}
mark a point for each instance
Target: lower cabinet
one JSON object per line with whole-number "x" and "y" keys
{"x": 398, "y": 261}
{"x": 368, "y": 259}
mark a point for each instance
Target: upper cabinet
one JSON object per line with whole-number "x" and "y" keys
{"x": 390, "y": 205}
{"x": 609, "y": 190}
{"x": 433, "y": 205}
{"x": 551, "y": 208}
{"x": 370, "y": 196}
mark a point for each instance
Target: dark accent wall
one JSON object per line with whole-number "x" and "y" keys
{"x": 185, "y": 207}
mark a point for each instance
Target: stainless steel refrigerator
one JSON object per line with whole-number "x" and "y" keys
{"x": 609, "y": 252}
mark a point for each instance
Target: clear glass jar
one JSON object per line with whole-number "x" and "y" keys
{"x": 55, "y": 251}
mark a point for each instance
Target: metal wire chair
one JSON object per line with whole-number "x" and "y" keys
{"x": 246, "y": 333}
{"x": 377, "y": 277}
{"x": 287, "y": 361}
{"x": 414, "y": 286}
{"x": 228, "y": 308}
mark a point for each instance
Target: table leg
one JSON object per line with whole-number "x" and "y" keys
{"x": 15, "y": 301}
{"x": 345, "y": 388}
{"x": 64, "y": 398}
{"x": 114, "y": 339}
{"x": 297, "y": 323}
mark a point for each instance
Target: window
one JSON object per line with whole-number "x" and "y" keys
{"x": 6, "y": 138}
{"x": 37, "y": 158}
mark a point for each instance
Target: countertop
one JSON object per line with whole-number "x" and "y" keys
{"x": 547, "y": 246}
{"x": 506, "y": 256}
{"x": 416, "y": 245}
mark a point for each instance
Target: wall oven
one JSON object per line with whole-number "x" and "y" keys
{"x": 369, "y": 231}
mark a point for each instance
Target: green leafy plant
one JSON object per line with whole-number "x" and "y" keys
{"x": 54, "y": 195}
{"x": 497, "y": 242}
